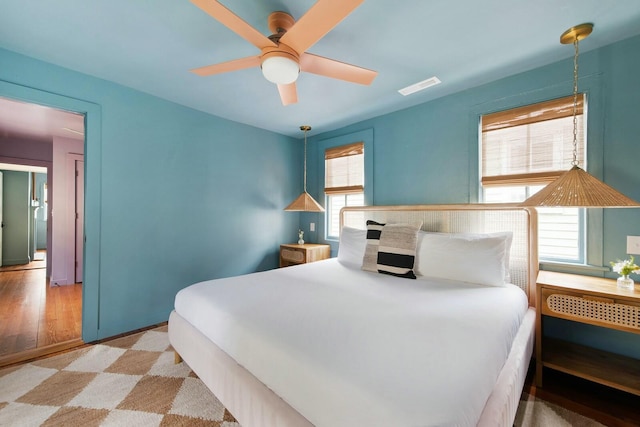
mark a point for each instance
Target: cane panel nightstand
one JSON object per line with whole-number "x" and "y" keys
{"x": 293, "y": 254}
{"x": 594, "y": 301}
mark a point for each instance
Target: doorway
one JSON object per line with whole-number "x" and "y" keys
{"x": 41, "y": 292}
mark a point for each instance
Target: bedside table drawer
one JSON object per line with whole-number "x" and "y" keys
{"x": 292, "y": 255}
{"x": 591, "y": 309}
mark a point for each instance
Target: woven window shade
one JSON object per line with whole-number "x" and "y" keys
{"x": 531, "y": 145}
{"x": 344, "y": 169}
{"x": 548, "y": 110}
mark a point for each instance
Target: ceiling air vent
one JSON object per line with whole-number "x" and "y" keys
{"x": 431, "y": 81}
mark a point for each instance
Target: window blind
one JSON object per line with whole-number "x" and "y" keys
{"x": 344, "y": 169}
{"x": 531, "y": 145}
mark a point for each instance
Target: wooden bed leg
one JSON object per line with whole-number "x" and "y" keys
{"x": 177, "y": 358}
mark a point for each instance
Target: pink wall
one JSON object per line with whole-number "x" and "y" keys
{"x": 26, "y": 149}
{"x": 63, "y": 211}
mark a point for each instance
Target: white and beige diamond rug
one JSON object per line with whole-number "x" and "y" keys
{"x": 129, "y": 381}
{"x": 133, "y": 381}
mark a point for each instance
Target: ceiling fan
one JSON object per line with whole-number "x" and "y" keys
{"x": 283, "y": 54}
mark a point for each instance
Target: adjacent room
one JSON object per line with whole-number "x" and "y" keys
{"x": 41, "y": 163}
{"x": 237, "y": 207}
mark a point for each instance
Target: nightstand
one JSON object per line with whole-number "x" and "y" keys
{"x": 294, "y": 254}
{"x": 595, "y": 301}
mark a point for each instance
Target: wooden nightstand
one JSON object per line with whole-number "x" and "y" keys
{"x": 294, "y": 254}
{"x": 595, "y": 301}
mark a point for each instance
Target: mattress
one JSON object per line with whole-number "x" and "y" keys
{"x": 347, "y": 347}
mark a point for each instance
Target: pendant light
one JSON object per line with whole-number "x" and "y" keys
{"x": 305, "y": 202}
{"x": 576, "y": 187}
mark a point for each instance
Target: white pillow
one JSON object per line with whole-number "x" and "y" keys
{"x": 466, "y": 257}
{"x": 508, "y": 236}
{"x": 352, "y": 245}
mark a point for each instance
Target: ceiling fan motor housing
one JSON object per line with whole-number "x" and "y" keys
{"x": 280, "y": 22}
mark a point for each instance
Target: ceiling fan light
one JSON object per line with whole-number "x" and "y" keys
{"x": 280, "y": 70}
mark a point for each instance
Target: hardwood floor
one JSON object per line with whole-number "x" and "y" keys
{"x": 35, "y": 318}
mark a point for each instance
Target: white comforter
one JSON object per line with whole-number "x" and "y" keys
{"x": 346, "y": 347}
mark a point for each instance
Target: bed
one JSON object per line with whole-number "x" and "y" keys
{"x": 337, "y": 342}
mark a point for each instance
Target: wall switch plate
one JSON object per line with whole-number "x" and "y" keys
{"x": 312, "y": 227}
{"x": 633, "y": 245}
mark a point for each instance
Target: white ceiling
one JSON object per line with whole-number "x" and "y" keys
{"x": 152, "y": 45}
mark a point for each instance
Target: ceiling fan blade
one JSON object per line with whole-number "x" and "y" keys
{"x": 288, "y": 93}
{"x": 223, "y": 67}
{"x": 318, "y": 21}
{"x": 234, "y": 23}
{"x": 335, "y": 69}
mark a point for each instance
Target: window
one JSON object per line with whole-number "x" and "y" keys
{"x": 525, "y": 148}
{"x": 344, "y": 182}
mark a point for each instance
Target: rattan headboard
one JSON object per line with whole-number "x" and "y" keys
{"x": 486, "y": 218}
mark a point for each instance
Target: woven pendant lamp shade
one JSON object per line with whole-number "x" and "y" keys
{"x": 305, "y": 202}
{"x": 579, "y": 189}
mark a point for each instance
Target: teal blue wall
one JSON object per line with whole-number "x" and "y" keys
{"x": 15, "y": 233}
{"x": 173, "y": 195}
{"x": 429, "y": 153}
{"x": 176, "y": 195}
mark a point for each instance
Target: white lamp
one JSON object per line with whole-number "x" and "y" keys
{"x": 280, "y": 68}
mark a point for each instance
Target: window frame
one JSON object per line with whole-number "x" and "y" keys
{"x": 365, "y": 136}
{"x": 536, "y": 173}
{"x": 592, "y": 85}
{"x": 329, "y": 204}
{"x": 345, "y": 182}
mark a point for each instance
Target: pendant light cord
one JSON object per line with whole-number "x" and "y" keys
{"x": 575, "y": 104}
{"x": 305, "y": 160}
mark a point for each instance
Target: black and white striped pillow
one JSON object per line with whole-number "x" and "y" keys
{"x": 397, "y": 250}
{"x": 391, "y": 249}
{"x": 370, "y": 259}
